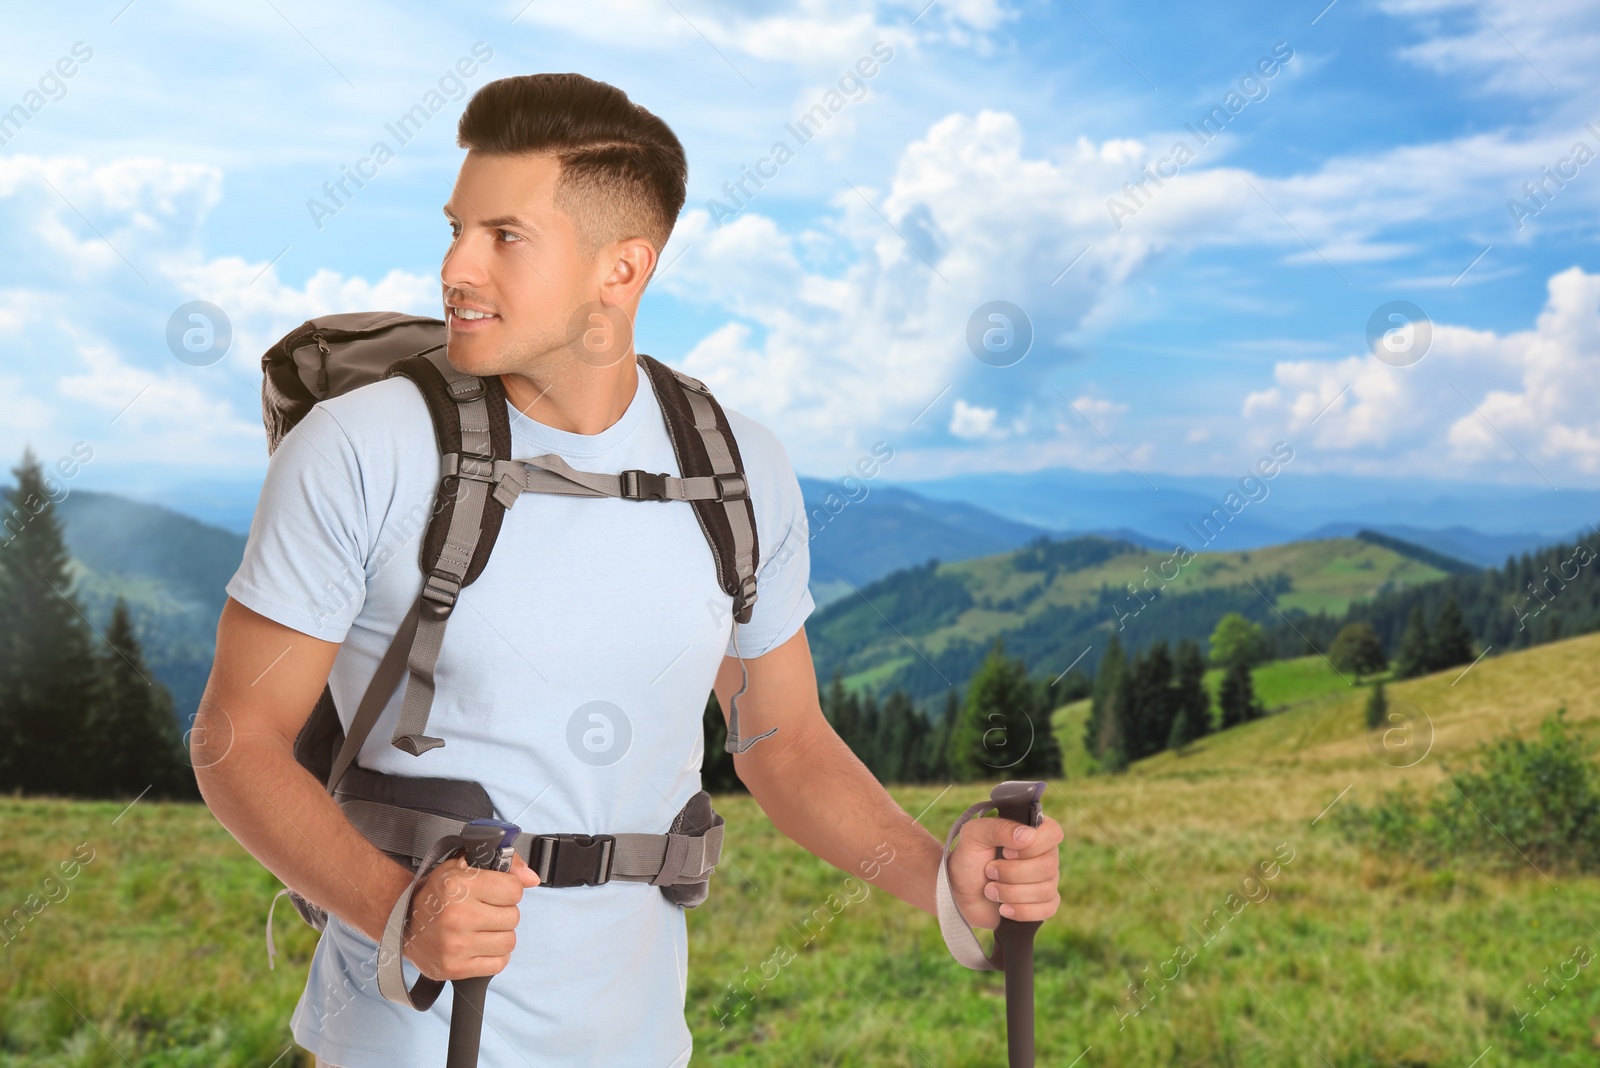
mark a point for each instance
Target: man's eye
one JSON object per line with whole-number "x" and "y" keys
{"x": 508, "y": 233}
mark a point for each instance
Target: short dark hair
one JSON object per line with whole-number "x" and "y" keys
{"x": 623, "y": 170}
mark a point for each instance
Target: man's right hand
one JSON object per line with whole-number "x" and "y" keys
{"x": 463, "y": 920}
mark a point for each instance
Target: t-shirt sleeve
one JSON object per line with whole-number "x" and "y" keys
{"x": 783, "y": 576}
{"x": 304, "y": 562}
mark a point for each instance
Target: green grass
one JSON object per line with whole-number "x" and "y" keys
{"x": 1349, "y": 960}
{"x": 1280, "y": 684}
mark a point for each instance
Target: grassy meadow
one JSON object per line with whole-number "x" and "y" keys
{"x": 1339, "y": 958}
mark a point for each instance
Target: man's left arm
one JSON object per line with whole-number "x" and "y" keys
{"x": 821, "y": 796}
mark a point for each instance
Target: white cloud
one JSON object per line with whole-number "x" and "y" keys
{"x": 85, "y": 327}
{"x": 970, "y": 422}
{"x": 1500, "y": 46}
{"x": 1478, "y": 403}
{"x": 805, "y": 35}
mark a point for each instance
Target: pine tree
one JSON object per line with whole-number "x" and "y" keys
{"x": 897, "y": 740}
{"x": 866, "y": 739}
{"x": 1237, "y": 696}
{"x": 1193, "y": 702}
{"x": 1111, "y": 747}
{"x": 1377, "y": 707}
{"x": 1102, "y": 733}
{"x": 133, "y": 742}
{"x": 1044, "y": 759}
{"x": 1416, "y": 650}
{"x": 48, "y": 668}
{"x": 936, "y": 760}
{"x": 1452, "y": 641}
{"x": 1004, "y": 727}
{"x": 1154, "y": 707}
{"x": 848, "y": 718}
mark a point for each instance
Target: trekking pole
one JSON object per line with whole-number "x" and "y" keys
{"x": 489, "y": 846}
{"x": 1018, "y": 801}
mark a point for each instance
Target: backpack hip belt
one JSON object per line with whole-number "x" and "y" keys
{"x": 417, "y": 821}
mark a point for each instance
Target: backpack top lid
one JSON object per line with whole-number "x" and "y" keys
{"x": 302, "y": 368}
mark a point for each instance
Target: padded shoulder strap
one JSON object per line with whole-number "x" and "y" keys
{"x": 704, "y": 445}
{"x": 469, "y": 419}
{"x": 473, "y": 432}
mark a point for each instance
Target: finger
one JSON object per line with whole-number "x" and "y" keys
{"x": 1019, "y": 893}
{"x": 521, "y": 870}
{"x": 991, "y": 833}
{"x": 493, "y": 943}
{"x": 1010, "y": 835}
{"x": 1046, "y": 839}
{"x": 485, "y": 918}
{"x": 1024, "y": 913}
{"x": 1028, "y": 870}
{"x": 496, "y": 887}
{"x": 487, "y": 965}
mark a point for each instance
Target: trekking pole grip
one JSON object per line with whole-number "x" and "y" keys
{"x": 488, "y": 847}
{"x": 1018, "y": 801}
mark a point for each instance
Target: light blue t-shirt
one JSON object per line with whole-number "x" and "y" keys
{"x": 571, "y": 684}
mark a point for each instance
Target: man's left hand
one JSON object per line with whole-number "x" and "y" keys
{"x": 1021, "y": 885}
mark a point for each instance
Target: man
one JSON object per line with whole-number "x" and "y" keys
{"x": 596, "y": 618}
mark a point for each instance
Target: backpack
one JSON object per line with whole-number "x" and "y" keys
{"x": 406, "y": 816}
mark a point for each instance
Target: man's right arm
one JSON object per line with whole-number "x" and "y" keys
{"x": 264, "y": 682}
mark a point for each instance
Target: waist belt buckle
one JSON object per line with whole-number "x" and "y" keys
{"x": 574, "y": 859}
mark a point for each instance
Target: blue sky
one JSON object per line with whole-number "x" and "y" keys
{"x": 1185, "y": 331}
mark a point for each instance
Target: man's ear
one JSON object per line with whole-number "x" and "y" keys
{"x": 632, "y": 263}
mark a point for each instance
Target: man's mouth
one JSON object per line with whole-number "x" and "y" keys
{"x": 463, "y": 316}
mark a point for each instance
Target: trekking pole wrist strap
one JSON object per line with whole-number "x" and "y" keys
{"x": 958, "y": 935}
{"x": 391, "y": 951}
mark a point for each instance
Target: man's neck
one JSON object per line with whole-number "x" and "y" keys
{"x": 584, "y": 400}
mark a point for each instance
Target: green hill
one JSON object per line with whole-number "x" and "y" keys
{"x": 170, "y": 568}
{"x": 926, "y": 628}
{"x": 153, "y": 954}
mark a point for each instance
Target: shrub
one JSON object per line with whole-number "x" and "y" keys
{"x": 1536, "y": 800}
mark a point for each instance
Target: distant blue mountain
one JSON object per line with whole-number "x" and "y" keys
{"x": 1478, "y": 522}
{"x": 886, "y": 528}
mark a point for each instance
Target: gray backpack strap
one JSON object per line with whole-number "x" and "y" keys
{"x": 560, "y": 859}
{"x": 550, "y": 473}
{"x": 705, "y": 446}
{"x": 391, "y": 669}
{"x": 473, "y": 432}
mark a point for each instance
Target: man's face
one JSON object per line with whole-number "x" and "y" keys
{"x": 515, "y": 255}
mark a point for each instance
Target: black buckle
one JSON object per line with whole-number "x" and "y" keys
{"x": 439, "y": 595}
{"x": 731, "y": 487}
{"x": 573, "y": 859}
{"x": 644, "y": 486}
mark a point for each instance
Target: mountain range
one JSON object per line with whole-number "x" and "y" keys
{"x": 172, "y": 567}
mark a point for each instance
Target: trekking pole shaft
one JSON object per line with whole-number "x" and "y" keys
{"x": 1018, "y": 801}
{"x": 488, "y": 845}
{"x": 466, "y": 1021}
{"x": 1016, "y": 944}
